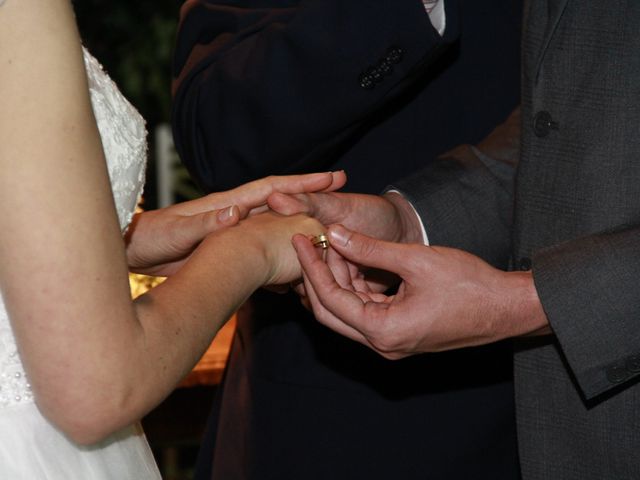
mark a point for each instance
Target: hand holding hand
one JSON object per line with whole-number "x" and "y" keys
{"x": 387, "y": 217}
{"x": 273, "y": 233}
{"x": 261, "y": 247}
{"x": 447, "y": 299}
{"x": 159, "y": 241}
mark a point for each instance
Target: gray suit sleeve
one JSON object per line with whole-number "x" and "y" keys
{"x": 590, "y": 291}
{"x": 465, "y": 198}
{"x": 589, "y": 286}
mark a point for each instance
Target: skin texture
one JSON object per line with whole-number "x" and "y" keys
{"x": 388, "y": 217}
{"x": 447, "y": 298}
{"x": 158, "y": 242}
{"x": 96, "y": 360}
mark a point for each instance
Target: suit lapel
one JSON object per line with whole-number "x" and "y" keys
{"x": 555, "y": 9}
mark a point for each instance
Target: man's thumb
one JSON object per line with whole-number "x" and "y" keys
{"x": 364, "y": 250}
{"x": 285, "y": 204}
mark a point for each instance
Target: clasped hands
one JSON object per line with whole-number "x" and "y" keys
{"x": 159, "y": 242}
{"x": 444, "y": 298}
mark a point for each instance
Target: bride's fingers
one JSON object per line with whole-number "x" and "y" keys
{"x": 311, "y": 182}
{"x": 161, "y": 236}
{"x": 208, "y": 222}
{"x": 254, "y": 194}
{"x": 338, "y": 180}
{"x": 190, "y": 230}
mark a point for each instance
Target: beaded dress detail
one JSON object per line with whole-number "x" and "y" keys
{"x": 30, "y": 447}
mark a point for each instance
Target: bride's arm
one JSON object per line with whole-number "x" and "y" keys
{"x": 96, "y": 360}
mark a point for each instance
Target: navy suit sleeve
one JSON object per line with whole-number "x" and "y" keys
{"x": 263, "y": 87}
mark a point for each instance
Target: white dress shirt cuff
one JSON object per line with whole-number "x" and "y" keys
{"x": 425, "y": 238}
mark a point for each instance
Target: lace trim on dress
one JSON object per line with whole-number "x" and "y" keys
{"x": 124, "y": 139}
{"x": 14, "y": 386}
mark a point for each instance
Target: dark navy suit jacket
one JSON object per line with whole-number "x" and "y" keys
{"x": 275, "y": 86}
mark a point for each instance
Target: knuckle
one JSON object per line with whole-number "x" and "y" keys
{"x": 308, "y": 224}
{"x": 384, "y": 345}
{"x": 368, "y": 248}
{"x": 320, "y": 314}
{"x": 389, "y": 355}
{"x": 389, "y": 342}
{"x": 206, "y": 222}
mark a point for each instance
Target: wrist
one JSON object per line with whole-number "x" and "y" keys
{"x": 525, "y": 310}
{"x": 263, "y": 243}
{"x": 244, "y": 250}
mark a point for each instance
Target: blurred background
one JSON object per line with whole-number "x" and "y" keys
{"x": 134, "y": 42}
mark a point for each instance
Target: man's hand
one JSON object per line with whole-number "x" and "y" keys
{"x": 159, "y": 241}
{"x": 388, "y": 217}
{"x": 447, "y": 299}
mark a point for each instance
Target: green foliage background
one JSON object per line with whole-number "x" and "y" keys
{"x": 134, "y": 40}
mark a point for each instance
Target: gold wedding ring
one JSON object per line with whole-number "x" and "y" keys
{"x": 320, "y": 241}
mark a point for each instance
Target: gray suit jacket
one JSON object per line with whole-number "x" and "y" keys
{"x": 566, "y": 205}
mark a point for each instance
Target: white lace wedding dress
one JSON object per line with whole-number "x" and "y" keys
{"x": 30, "y": 447}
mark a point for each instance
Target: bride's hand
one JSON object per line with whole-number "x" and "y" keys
{"x": 276, "y": 234}
{"x": 159, "y": 241}
{"x": 262, "y": 246}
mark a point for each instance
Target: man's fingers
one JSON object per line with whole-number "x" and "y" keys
{"x": 368, "y": 251}
{"x": 326, "y": 318}
{"x": 327, "y": 208}
{"x": 340, "y": 269}
{"x": 254, "y": 211}
{"x": 288, "y": 204}
{"x": 343, "y": 305}
{"x": 280, "y": 289}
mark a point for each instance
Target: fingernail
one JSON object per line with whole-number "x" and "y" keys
{"x": 226, "y": 214}
{"x": 339, "y": 235}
